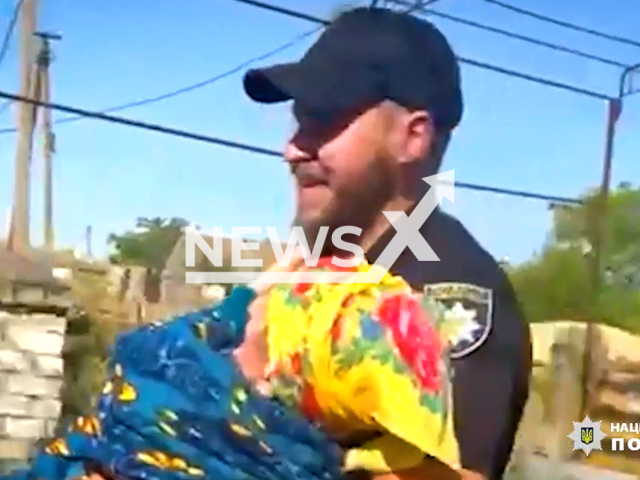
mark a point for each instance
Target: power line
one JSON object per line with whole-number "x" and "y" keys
{"x": 562, "y": 23}
{"x": 188, "y": 88}
{"x": 7, "y": 40}
{"x": 514, "y": 35}
{"x": 416, "y": 5}
{"x": 311, "y": 18}
{"x": 476, "y": 63}
{"x": 247, "y": 147}
{"x": 10, "y": 29}
{"x": 3, "y": 107}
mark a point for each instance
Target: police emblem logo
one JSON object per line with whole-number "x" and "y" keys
{"x": 586, "y": 433}
{"x": 468, "y": 314}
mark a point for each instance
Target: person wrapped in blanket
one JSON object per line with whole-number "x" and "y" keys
{"x": 298, "y": 382}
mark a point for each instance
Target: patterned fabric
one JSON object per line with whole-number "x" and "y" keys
{"x": 176, "y": 408}
{"x": 344, "y": 359}
{"x": 362, "y": 358}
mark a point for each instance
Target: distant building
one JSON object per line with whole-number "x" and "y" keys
{"x": 30, "y": 280}
{"x": 175, "y": 290}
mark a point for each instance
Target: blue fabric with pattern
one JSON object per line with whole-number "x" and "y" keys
{"x": 175, "y": 408}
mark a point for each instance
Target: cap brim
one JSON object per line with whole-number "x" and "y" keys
{"x": 321, "y": 90}
{"x": 279, "y": 83}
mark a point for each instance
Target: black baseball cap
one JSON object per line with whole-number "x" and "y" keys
{"x": 365, "y": 56}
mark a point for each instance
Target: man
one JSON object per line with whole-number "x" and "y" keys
{"x": 376, "y": 98}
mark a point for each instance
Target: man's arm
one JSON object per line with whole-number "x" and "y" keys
{"x": 490, "y": 390}
{"x": 429, "y": 469}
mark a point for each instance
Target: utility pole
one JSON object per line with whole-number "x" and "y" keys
{"x": 89, "y": 241}
{"x": 44, "y": 60}
{"x": 599, "y": 222}
{"x": 18, "y": 240}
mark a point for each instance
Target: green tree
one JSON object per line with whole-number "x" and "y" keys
{"x": 575, "y": 224}
{"x": 556, "y": 284}
{"x": 149, "y": 244}
{"x": 553, "y": 285}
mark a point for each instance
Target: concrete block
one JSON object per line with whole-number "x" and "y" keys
{"x": 24, "y": 407}
{"x": 14, "y": 406}
{"x": 14, "y": 449}
{"x": 47, "y": 323}
{"x": 13, "y": 361}
{"x": 22, "y": 428}
{"x": 31, "y": 363}
{"x": 31, "y": 373}
{"x": 50, "y": 428}
{"x": 50, "y": 366}
{"x": 22, "y": 337}
{"x": 45, "y": 408}
{"x": 30, "y": 386}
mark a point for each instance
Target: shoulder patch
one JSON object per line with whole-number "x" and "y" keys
{"x": 468, "y": 316}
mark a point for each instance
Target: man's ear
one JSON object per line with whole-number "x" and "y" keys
{"x": 419, "y": 136}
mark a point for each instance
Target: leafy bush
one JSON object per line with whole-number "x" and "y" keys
{"x": 91, "y": 330}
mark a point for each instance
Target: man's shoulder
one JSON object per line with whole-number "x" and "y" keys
{"x": 462, "y": 257}
{"x": 469, "y": 281}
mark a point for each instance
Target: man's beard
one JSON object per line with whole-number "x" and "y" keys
{"x": 356, "y": 205}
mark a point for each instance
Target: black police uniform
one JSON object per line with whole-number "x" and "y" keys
{"x": 492, "y": 364}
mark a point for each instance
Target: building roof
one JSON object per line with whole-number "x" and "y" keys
{"x": 176, "y": 264}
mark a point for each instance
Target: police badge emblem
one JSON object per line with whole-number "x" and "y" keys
{"x": 467, "y": 319}
{"x": 587, "y": 435}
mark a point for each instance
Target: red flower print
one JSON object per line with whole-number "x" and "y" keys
{"x": 336, "y": 329}
{"x": 308, "y": 402}
{"x": 296, "y": 363}
{"x": 325, "y": 262}
{"x": 413, "y": 334}
{"x": 301, "y": 288}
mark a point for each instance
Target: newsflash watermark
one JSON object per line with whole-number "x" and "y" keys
{"x": 407, "y": 235}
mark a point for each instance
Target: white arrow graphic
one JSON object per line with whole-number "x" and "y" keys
{"x": 408, "y": 228}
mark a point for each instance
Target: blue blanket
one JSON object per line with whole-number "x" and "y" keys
{"x": 175, "y": 407}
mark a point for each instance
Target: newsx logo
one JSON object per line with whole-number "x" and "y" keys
{"x": 407, "y": 236}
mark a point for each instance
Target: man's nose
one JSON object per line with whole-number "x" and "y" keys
{"x": 293, "y": 153}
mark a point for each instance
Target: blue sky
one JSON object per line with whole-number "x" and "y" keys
{"x": 515, "y": 134}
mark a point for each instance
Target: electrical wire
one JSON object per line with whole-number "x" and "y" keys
{"x": 104, "y": 116}
{"x": 247, "y": 147}
{"x": 469, "y": 61}
{"x": 6, "y": 40}
{"x": 4, "y": 106}
{"x": 514, "y": 35}
{"x": 189, "y": 88}
{"x": 303, "y": 16}
{"x": 562, "y": 23}
{"x": 417, "y": 5}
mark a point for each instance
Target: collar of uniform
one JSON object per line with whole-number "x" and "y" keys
{"x": 378, "y": 247}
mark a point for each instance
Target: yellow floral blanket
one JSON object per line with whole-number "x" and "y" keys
{"x": 365, "y": 359}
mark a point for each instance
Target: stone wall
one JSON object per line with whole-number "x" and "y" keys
{"x": 31, "y": 373}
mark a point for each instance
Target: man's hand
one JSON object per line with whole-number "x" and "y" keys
{"x": 429, "y": 469}
{"x": 252, "y": 355}
{"x": 469, "y": 475}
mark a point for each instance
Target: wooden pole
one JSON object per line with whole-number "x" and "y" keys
{"x": 19, "y": 240}
{"x": 44, "y": 62}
